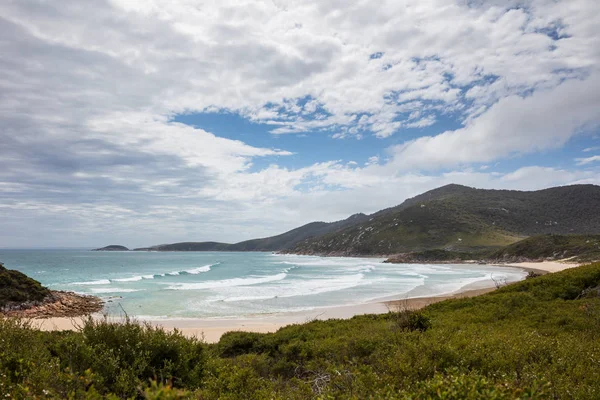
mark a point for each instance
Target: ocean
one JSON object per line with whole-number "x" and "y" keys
{"x": 162, "y": 285}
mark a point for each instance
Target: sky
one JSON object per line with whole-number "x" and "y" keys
{"x": 141, "y": 122}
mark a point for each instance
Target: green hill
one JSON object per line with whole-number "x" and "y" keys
{"x": 17, "y": 288}
{"x": 555, "y": 247}
{"x": 188, "y": 246}
{"x": 576, "y": 248}
{"x": 274, "y": 243}
{"x": 452, "y": 217}
{"x": 460, "y": 218}
{"x": 112, "y": 247}
{"x": 291, "y": 238}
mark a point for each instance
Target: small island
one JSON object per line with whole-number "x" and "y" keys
{"x": 112, "y": 247}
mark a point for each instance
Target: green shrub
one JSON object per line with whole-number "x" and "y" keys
{"x": 458, "y": 386}
{"x": 236, "y": 343}
{"x": 16, "y": 288}
{"x": 410, "y": 320}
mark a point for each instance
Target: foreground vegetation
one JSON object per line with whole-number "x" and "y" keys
{"x": 539, "y": 338}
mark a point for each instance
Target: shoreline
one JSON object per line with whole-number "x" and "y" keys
{"x": 57, "y": 304}
{"x": 211, "y": 330}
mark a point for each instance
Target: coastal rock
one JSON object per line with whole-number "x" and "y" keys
{"x": 57, "y": 304}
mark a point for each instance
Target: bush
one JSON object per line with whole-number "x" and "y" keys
{"x": 236, "y": 343}
{"x": 458, "y": 386}
{"x": 17, "y": 288}
{"x": 410, "y": 320}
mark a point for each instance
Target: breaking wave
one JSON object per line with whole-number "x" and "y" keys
{"x": 224, "y": 283}
{"x": 193, "y": 271}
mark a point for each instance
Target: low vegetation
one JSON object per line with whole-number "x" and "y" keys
{"x": 536, "y": 339}
{"x": 436, "y": 255}
{"x": 582, "y": 248}
{"x": 18, "y": 288}
{"x": 574, "y": 248}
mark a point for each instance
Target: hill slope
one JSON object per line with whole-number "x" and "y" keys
{"x": 274, "y": 243}
{"x": 461, "y": 218}
{"x": 580, "y": 247}
{"x": 18, "y": 288}
{"x": 289, "y": 239}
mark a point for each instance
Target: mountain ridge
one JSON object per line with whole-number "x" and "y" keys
{"x": 451, "y": 217}
{"x": 271, "y": 243}
{"x": 465, "y": 219}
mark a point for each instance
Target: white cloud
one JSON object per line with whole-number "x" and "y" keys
{"x": 515, "y": 125}
{"x": 88, "y": 92}
{"x": 173, "y": 56}
{"x": 587, "y": 160}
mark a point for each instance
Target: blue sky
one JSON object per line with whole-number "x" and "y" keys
{"x": 143, "y": 122}
{"x": 311, "y": 147}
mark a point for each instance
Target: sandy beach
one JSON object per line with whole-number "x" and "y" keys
{"x": 210, "y": 330}
{"x": 545, "y": 266}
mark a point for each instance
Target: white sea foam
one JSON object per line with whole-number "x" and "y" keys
{"x": 228, "y": 282}
{"x": 295, "y": 288}
{"x": 98, "y": 282}
{"x": 366, "y": 268}
{"x": 246, "y": 298}
{"x": 290, "y": 268}
{"x": 132, "y": 279}
{"x": 193, "y": 271}
{"x": 114, "y": 290}
{"x": 200, "y": 270}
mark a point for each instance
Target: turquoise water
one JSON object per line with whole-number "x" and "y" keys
{"x": 153, "y": 285}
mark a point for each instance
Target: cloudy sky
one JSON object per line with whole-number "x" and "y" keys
{"x": 141, "y": 122}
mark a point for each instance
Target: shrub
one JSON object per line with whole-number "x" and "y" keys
{"x": 127, "y": 356}
{"x": 236, "y": 343}
{"x": 17, "y": 288}
{"x": 410, "y": 320}
{"x": 459, "y": 386}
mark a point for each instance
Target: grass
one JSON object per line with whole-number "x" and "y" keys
{"x": 535, "y": 339}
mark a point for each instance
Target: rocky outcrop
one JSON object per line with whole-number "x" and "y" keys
{"x": 57, "y": 304}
